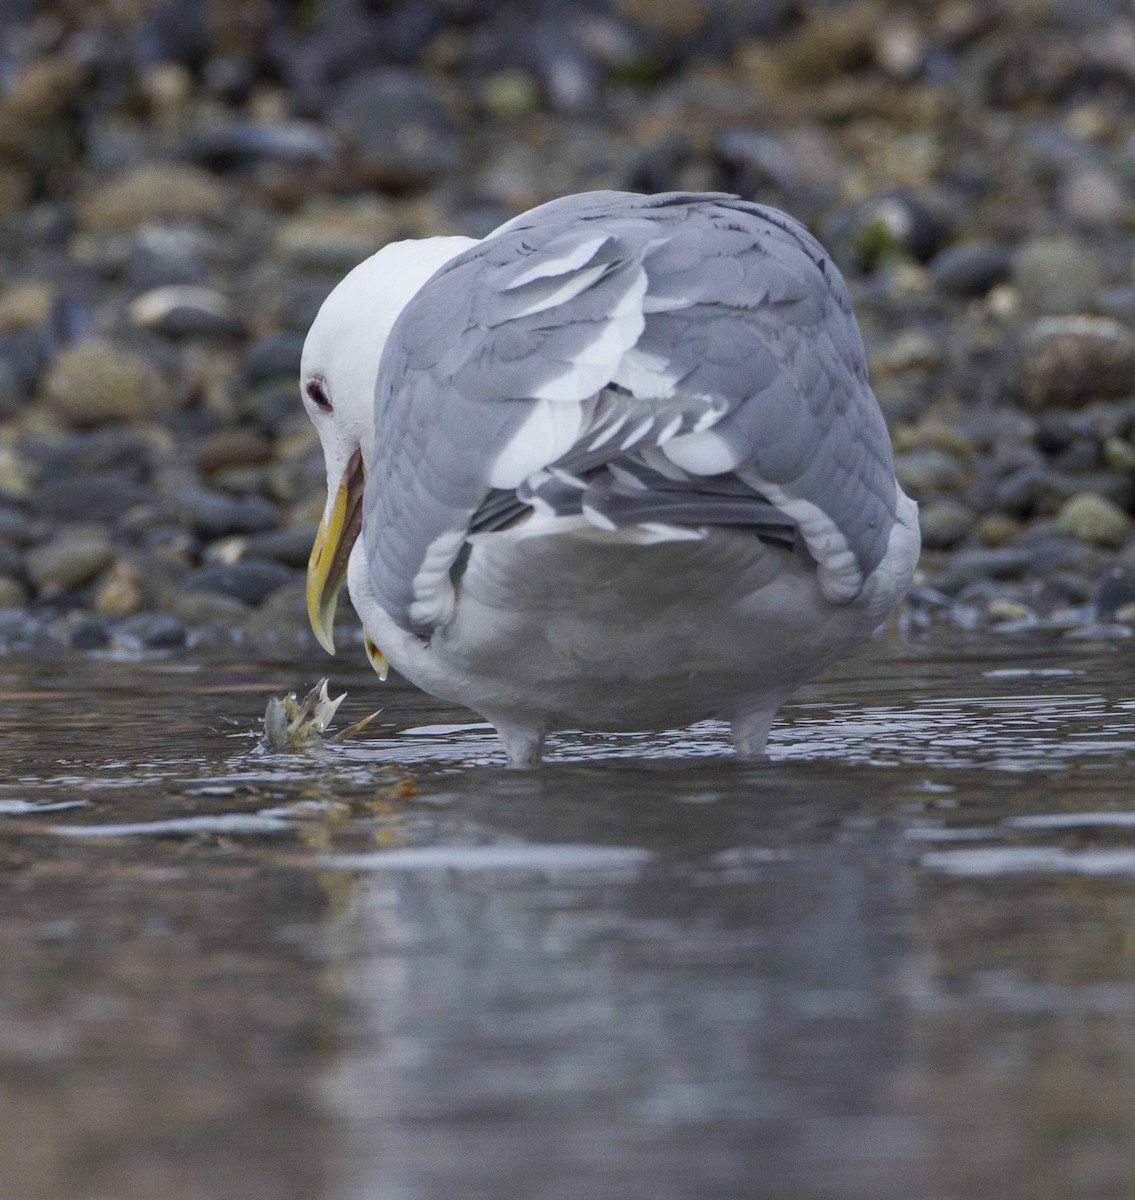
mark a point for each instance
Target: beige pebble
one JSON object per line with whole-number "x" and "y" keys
{"x": 120, "y": 591}
{"x": 93, "y": 382}
{"x": 1093, "y": 518}
{"x": 154, "y": 192}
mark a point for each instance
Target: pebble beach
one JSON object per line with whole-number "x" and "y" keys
{"x": 182, "y": 184}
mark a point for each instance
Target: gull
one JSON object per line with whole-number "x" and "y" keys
{"x": 615, "y": 466}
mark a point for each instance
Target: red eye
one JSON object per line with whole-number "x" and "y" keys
{"x": 317, "y": 394}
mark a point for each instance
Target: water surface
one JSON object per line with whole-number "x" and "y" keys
{"x": 897, "y": 960}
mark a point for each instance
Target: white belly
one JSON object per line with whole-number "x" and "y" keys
{"x": 567, "y": 631}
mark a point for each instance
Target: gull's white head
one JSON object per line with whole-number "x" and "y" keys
{"x": 338, "y": 372}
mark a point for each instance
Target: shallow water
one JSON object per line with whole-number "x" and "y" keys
{"x": 897, "y": 960}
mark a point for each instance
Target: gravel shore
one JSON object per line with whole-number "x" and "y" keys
{"x": 182, "y": 183}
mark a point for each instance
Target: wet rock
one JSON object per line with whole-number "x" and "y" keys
{"x": 924, "y": 471}
{"x": 1092, "y": 195}
{"x": 1068, "y": 361}
{"x": 1094, "y": 519}
{"x": 1055, "y": 276}
{"x": 1115, "y": 591}
{"x": 25, "y": 304}
{"x": 290, "y": 546}
{"x": 174, "y": 31}
{"x": 571, "y": 78}
{"x": 273, "y": 356}
{"x": 1119, "y": 454}
{"x": 244, "y": 145}
{"x": 11, "y": 562}
{"x": 934, "y": 435}
{"x": 16, "y": 473}
{"x": 232, "y": 448}
{"x": 248, "y": 581}
{"x": 398, "y": 128}
{"x": 12, "y": 593}
{"x": 88, "y": 633}
{"x": 971, "y": 269}
{"x": 114, "y": 448}
{"x": 186, "y": 310}
{"x": 94, "y": 382}
{"x": 154, "y": 192}
{"x": 18, "y": 528}
{"x": 215, "y": 514}
{"x": 1060, "y": 428}
{"x": 203, "y": 610}
{"x": 119, "y": 591}
{"x": 911, "y": 350}
{"x": 149, "y": 631}
{"x": 1002, "y": 562}
{"x": 885, "y": 229}
{"x": 102, "y": 499}
{"x": 335, "y": 235}
{"x": 21, "y": 360}
{"x": 995, "y": 529}
{"x": 944, "y": 523}
{"x": 511, "y": 95}
{"x": 1054, "y": 488}
{"x": 1082, "y": 454}
{"x": 69, "y": 560}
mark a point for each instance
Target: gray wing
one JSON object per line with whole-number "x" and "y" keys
{"x": 676, "y": 359}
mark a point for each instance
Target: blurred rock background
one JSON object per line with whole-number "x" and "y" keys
{"x": 181, "y": 184}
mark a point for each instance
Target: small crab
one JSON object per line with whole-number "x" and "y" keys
{"x": 292, "y": 724}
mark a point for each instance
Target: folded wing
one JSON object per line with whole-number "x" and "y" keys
{"x": 668, "y": 362}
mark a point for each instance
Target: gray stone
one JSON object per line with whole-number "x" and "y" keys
{"x": 1068, "y": 361}
{"x": 12, "y": 593}
{"x": 249, "y": 580}
{"x": 94, "y": 382}
{"x": 71, "y": 559}
{"x": 102, "y": 499}
{"x": 153, "y": 192}
{"x": 1057, "y": 276}
{"x": 971, "y": 269}
{"x": 1095, "y": 519}
{"x": 272, "y": 356}
{"x": 215, "y": 514}
{"x": 186, "y": 310}
{"x": 398, "y": 127}
{"x": 204, "y": 610}
{"x": 11, "y": 562}
{"x": 944, "y": 523}
{"x": 149, "y": 631}
{"x": 1114, "y": 591}
{"x": 290, "y": 546}
{"x": 924, "y": 471}
{"x": 1000, "y": 562}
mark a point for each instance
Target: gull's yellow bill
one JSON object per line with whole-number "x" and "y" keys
{"x": 327, "y": 566}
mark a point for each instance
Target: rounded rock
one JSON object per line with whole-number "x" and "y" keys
{"x": 232, "y": 448}
{"x": 94, "y": 382}
{"x": 945, "y": 523}
{"x": 154, "y": 192}
{"x": 149, "y": 631}
{"x": 214, "y": 514}
{"x": 398, "y": 126}
{"x": 70, "y": 560}
{"x": 12, "y": 593}
{"x": 182, "y": 310}
{"x": 1115, "y": 591}
{"x": 101, "y": 499}
{"x": 1067, "y": 361}
{"x": 1057, "y": 275}
{"x": 1094, "y": 519}
{"x": 248, "y": 581}
{"x": 971, "y": 269}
